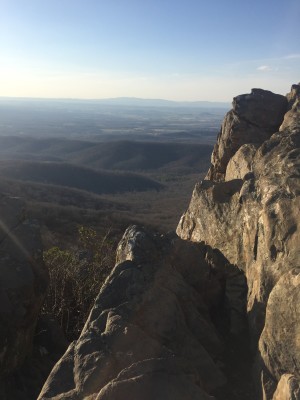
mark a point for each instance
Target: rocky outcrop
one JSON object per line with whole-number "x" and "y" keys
{"x": 23, "y": 281}
{"x": 248, "y": 208}
{"x": 157, "y": 328}
{"x": 253, "y": 118}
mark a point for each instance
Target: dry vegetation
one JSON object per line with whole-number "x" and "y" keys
{"x": 76, "y": 275}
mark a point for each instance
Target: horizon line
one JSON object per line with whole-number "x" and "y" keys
{"x": 113, "y": 99}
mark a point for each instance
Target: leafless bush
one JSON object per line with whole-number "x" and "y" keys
{"x": 76, "y": 276}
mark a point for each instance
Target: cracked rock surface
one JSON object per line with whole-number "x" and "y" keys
{"x": 151, "y": 334}
{"x": 249, "y": 209}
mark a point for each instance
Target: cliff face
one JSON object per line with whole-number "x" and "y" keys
{"x": 171, "y": 321}
{"x": 248, "y": 208}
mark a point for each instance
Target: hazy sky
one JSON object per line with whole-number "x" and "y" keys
{"x": 180, "y": 50}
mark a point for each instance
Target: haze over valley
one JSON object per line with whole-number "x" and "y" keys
{"x": 125, "y": 160}
{"x": 111, "y": 119}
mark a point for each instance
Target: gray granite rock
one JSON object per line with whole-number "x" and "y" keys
{"x": 150, "y": 333}
{"x": 254, "y": 220}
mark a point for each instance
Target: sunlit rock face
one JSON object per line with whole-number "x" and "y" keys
{"x": 249, "y": 208}
{"x": 253, "y": 119}
{"x": 288, "y": 388}
{"x": 151, "y": 334}
{"x": 23, "y": 283}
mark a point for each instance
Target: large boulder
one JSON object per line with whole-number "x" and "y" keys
{"x": 23, "y": 283}
{"x": 151, "y": 333}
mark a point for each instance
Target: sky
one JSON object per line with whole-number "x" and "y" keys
{"x": 178, "y": 50}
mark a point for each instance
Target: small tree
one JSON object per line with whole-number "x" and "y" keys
{"x": 76, "y": 277}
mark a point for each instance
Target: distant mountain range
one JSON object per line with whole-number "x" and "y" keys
{"x": 138, "y": 102}
{"x": 130, "y": 102}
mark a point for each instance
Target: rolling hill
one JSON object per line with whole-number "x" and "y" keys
{"x": 70, "y": 175}
{"x": 122, "y": 155}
